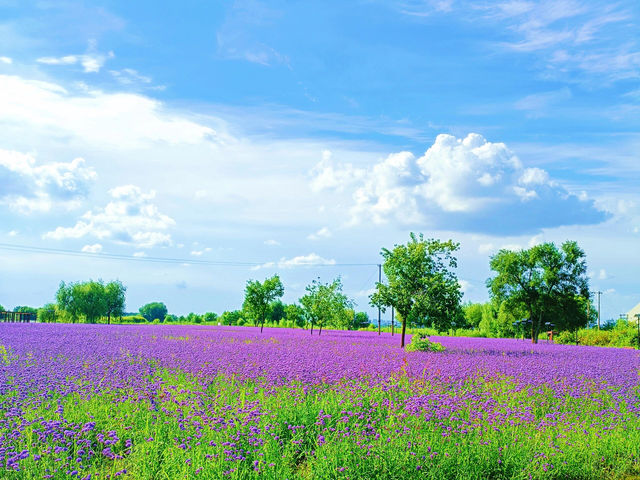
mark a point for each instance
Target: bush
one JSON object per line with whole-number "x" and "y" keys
{"x": 421, "y": 343}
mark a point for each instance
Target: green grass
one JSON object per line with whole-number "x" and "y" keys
{"x": 354, "y": 430}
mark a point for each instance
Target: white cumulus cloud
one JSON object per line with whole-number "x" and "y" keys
{"x": 459, "y": 183}
{"x": 130, "y": 218}
{"x": 27, "y": 186}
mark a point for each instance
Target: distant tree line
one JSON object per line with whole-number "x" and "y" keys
{"x": 531, "y": 291}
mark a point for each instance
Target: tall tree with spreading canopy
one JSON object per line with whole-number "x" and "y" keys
{"x": 421, "y": 284}
{"x": 258, "y": 298}
{"x": 548, "y": 282}
{"x": 324, "y": 303}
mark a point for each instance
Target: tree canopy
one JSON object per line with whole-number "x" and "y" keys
{"x": 421, "y": 284}
{"x": 324, "y": 303}
{"x": 549, "y": 283}
{"x": 154, "y": 310}
{"x": 92, "y": 299}
{"x": 258, "y": 298}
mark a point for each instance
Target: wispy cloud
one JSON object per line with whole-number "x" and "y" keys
{"x": 91, "y": 62}
{"x": 309, "y": 260}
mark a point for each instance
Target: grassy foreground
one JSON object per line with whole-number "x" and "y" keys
{"x": 351, "y": 430}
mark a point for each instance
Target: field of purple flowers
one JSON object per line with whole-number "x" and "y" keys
{"x": 174, "y": 402}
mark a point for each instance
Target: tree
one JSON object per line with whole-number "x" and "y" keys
{"x": 154, "y": 310}
{"x": 210, "y": 317}
{"x": 473, "y": 314}
{"x": 361, "y": 320}
{"x": 276, "y": 312}
{"x": 86, "y": 299}
{"x": 114, "y": 299}
{"x": 47, "y": 314}
{"x": 325, "y": 303}
{"x": 294, "y": 315}
{"x": 258, "y": 298}
{"x": 421, "y": 286}
{"x": 231, "y": 318}
{"x": 549, "y": 283}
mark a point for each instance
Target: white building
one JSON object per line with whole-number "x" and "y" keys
{"x": 631, "y": 314}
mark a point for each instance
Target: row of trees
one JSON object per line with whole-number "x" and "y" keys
{"x": 543, "y": 287}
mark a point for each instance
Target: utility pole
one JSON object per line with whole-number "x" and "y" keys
{"x": 599, "y": 293}
{"x": 379, "y": 282}
{"x": 392, "y": 321}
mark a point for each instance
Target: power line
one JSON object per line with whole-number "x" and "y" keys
{"x": 169, "y": 260}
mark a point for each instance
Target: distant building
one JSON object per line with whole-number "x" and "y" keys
{"x": 631, "y": 314}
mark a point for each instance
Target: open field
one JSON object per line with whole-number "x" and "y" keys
{"x": 154, "y": 402}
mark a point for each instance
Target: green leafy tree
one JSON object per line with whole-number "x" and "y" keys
{"x": 83, "y": 299}
{"x": 231, "y": 318}
{"x": 421, "y": 287}
{"x": 361, "y": 320}
{"x": 549, "y": 283}
{"x": 294, "y": 315}
{"x": 258, "y": 298}
{"x": 115, "y": 297}
{"x": 276, "y": 312}
{"x": 154, "y": 310}
{"x": 210, "y": 317}
{"x": 473, "y": 314}
{"x": 324, "y": 304}
{"x": 48, "y": 313}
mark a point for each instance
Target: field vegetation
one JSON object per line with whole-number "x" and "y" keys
{"x": 164, "y": 401}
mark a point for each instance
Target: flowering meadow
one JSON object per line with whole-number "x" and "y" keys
{"x": 177, "y": 402}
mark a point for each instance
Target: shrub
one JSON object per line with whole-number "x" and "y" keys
{"x": 421, "y": 343}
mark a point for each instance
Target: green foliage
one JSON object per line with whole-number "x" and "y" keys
{"x": 91, "y": 300}
{"x": 258, "y": 298}
{"x": 294, "y": 315}
{"x": 421, "y": 287}
{"x": 276, "y": 312}
{"x": 133, "y": 319}
{"x": 324, "y": 304}
{"x": 361, "y": 320}
{"x": 473, "y": 314}
{"x": 153, "y": 310}
{"x": 421, "y": 343}
{"x": 623, "y": 334}
{"x": 547, "y": 282}
{"x": 232, "y": 318}
{"x": 114, "y": 298}
{"x": 48, "y": 313}
{"x": 210, "y": 317}
{"x": 25, "y": 309}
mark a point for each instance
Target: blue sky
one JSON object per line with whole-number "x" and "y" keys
{"x": 300, "y": 136}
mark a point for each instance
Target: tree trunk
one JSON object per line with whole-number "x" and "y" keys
{"x": 404, "y": 329}
{"x": 311, "y": 328}
{"x": 109, "y": 318}
{"x": 320, "y": 332}
{"x": 261, "y": 325}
